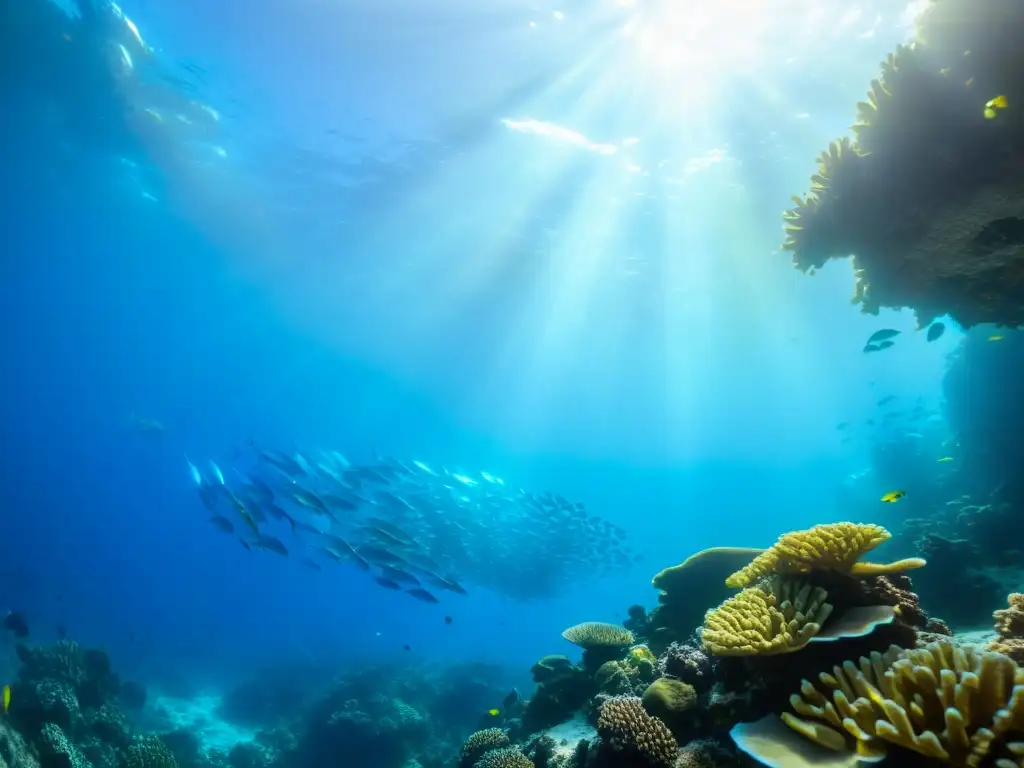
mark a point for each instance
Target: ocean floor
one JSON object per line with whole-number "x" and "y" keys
{"x": 198, "y": 715}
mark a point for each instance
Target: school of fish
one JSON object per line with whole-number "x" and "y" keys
{"x": 412, "y": 527}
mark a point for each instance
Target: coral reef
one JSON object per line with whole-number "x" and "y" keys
{"x": 928, "y": 197}
{"x": 686, "y": 590}
{"x": 481, "y": 742}
{"x": 1010, "y": 629}
{"x": 947, "y": 702}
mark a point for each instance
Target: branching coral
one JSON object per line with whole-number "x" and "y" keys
{"x": 597, "y": 634}
{"x": 625, "y": 726}
{"x": 959, "y": 706}
{"x": 833, "y": 546}
{"x": 149, "y": 752}
{"x": 505, "y": 757}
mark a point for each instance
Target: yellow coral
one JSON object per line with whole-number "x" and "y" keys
{"x": 778, "y": 616}
{"x": 668, "y": 698}
{"x": 641, "y": 653}
{"x": 951, "y": 703}
{"x": 834, "y": 546}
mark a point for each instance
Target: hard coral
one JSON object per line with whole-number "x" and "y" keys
{"x": 506, "y": 757}
{"x": 597, "y": 634}
{"x": 624, "y": 726}
{"x": 928, "y": 198}
{"x": 1010, "y": 628}
{"x": 666, "y": 698}
{"x": 480, "y": 743}
{"x": 149, "y": 752}
{"x": 778, "y": 616}
{"x": 947, "y": 702}
{"x": 834, "y": 546}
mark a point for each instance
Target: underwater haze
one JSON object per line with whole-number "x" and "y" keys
{"x": 353, "y": 335}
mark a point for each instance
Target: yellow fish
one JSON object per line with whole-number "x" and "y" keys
{"x": 7, "y": 698}
{"x": 996, "y": 337}
{"x": 493, "y": 712}
{"x": 992, "y": 105}
{"x": 893, "y": 496}
{"x": 946, "y": 458}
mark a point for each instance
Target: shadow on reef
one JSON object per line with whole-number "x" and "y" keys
{"x": 928, "y": 196}
{"x": 815, "y": 657}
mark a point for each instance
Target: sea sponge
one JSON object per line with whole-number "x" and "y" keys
{"x": 597, "y": 634}
{"x": 505, "y": 757}
{"x": 1010, "y": 628}
{"x": 833, "y": 546}
{"x": 951, "y": 703}
{"x": 625, "y": 726}
{"x": 666, "y": 698}
{"x": 149, "y": 752}
{"x": 482, "y": 742}
{"x": 777, "y": 616}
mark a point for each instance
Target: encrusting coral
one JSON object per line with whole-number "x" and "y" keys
{"x": 928, "y": 196}
{"x": 832, "y": 546}
{"x": 625, "y": 726}
{"x": 954, "y": 704}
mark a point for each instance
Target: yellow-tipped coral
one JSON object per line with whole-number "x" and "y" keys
{"x": 833, "y": 546}
{"x": 956, "y": 705}
{"x": 778, "y": 616}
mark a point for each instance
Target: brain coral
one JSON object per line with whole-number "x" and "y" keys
{"x": 506, "y": 757}
{"x": 951, "y": 703}
{"x": 833, "y": 546}
{"x": 597, "y": 634}
{"x": 625, "y": 726}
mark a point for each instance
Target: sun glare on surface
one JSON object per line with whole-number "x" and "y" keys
{"x": 693, "y": 43}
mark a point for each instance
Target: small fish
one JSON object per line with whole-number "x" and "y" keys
{"x": 407, "y": 647}
{"x": 447, "y": 619}
{"x": 992, "y": 106}
{"x": 946, "y": 458}
{"x": 217, "y": 473}
{"x": 511, "y": 699}
{"x": 193, "y": 470}
{"x": 885, "y": 400}
{"x": 842, "y": 425}
{"x": 996, "y": 337}
{"x": 272, "y": 544}
{"x": 935, "y": 330}
{"x": 882, "y": 335}
{"x": 7, "y": 698}
{"x": 493, "y": 712}
{"x": 893, "y": 496}
{"x": 422, "y": 595}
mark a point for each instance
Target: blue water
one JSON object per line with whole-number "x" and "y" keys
{"x": 363, "y": 255}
